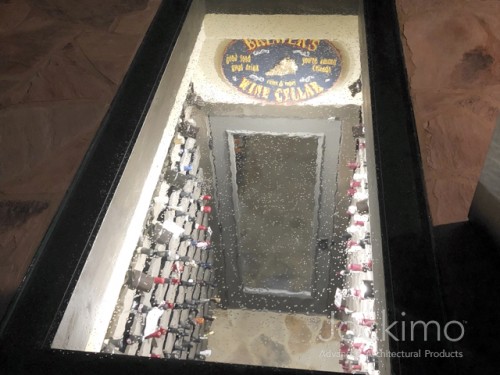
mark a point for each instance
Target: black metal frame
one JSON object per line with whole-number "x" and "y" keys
{"x": 411, "y": 277}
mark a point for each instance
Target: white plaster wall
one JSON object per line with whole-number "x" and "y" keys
{"x": 209, "y": 81}
{"x": 92, "y": 303}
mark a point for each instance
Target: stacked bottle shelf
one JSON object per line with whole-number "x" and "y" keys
{"x": 166, "y": 305}
{"x": 357, "y": 328}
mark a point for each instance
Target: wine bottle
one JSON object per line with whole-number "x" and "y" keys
{"x": 157, "y": 334}
{"x": 188, "y": 128}
{"x": 354, "y": 184}
{"x": 203, "y": 245}
{"x": 178, "y": 180}
{"x": 136, "y": 279}
{"x": 205, "y": 265}
{"x": 185, "y": 169}
{"x": 162, "y": 232}
{"x": 185, "y": 345}
{"x": 200, "y": 227}
{"x": 187, "y": 283}
{"x": 178, "y": 331}
{"x": 204, "y": 209}
{"x": 353, "y": 165}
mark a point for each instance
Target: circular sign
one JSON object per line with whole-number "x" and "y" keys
{"x": 281, "y": 71}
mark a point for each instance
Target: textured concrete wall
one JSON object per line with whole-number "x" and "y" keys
{"x": 61, "y": 62}
{"x": 452, "y": 53}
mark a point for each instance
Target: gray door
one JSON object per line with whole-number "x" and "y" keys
{"x": 275, "y": 186}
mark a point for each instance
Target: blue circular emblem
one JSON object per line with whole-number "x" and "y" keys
{"x": 281, "y": 71}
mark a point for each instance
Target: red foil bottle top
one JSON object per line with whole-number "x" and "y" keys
{"x": 206, "y": 209}
{"x": 352, "y": 165}
{"x": 159, "y": 280}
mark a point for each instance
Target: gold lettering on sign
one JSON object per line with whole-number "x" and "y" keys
{"x": 231, "y": 58}
{"x": 328, "y": 62}
{"x": 309, "y": 91}
{"x": 252, "y": 68}
{"x": 244, "y": 83}
{"x": 250, "y": 44}
{"x": 261, "y": 43}
{"x": 245, "y": 58}
{"x": 307, "y": 44}
{"x": 317, "y": 88}
{"x": 289, "y": 94}
{"x": 254, "y": 89}
{"x": 266, "y": 92}
{"x": 237, "y": 68}
{"x": 298, "y": 94}
{"x": 309, "y": 60}
{"x": 322, "y": 69}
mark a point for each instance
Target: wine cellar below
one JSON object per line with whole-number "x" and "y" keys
{"x": 180, "y": 288}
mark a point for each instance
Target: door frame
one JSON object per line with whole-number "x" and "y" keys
{"x": 328, "y": 132}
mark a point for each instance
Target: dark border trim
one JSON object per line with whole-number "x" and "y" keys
{"x": 411, "y": 272}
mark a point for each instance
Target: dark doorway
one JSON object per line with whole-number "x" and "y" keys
{"x": 275, "y": 185}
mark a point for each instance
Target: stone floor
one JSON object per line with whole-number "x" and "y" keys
{"x": 275, "y": 339}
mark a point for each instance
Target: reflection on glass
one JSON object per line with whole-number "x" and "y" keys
{"x": 276, "y": 177}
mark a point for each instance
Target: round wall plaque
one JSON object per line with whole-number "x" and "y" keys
{"x": 281, "y": 71}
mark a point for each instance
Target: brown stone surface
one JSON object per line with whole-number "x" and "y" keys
{"x": 267, "y": 338}
{"x": 61, "y": 62}
{"x": 270, "y": 352}
{"x": 452, "y": 53}
{"x": 300, "y": 335}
